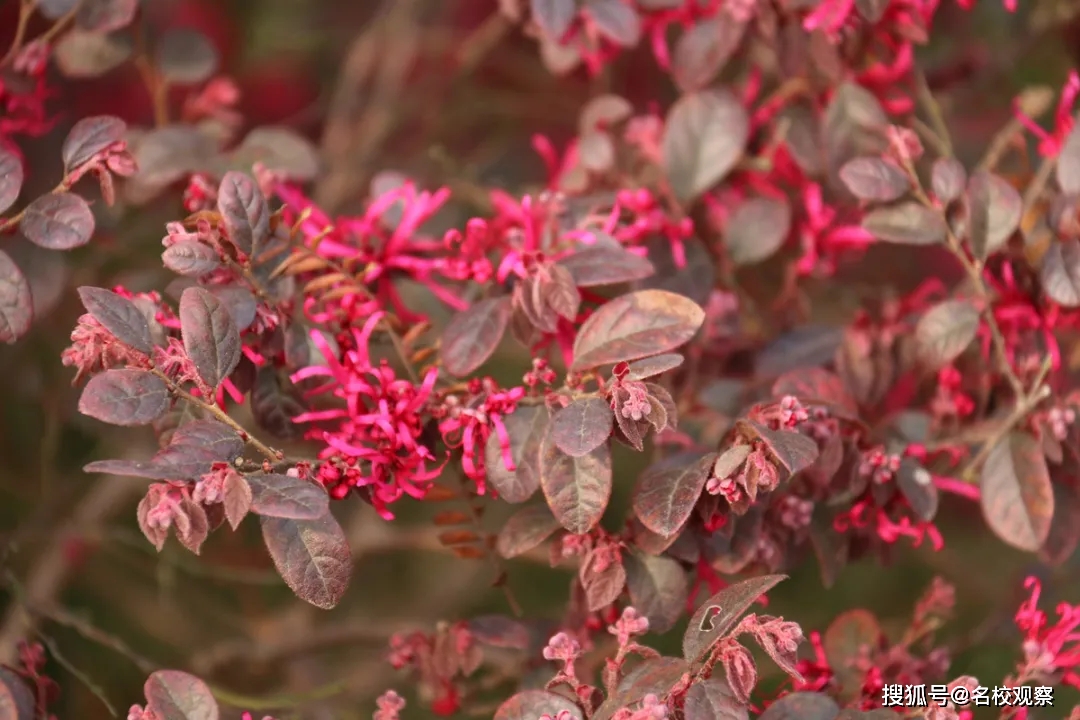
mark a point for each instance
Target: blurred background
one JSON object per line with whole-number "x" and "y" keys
{"x": 448, "y": 92}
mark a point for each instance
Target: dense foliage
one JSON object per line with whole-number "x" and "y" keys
{"x": 659, "y": 283}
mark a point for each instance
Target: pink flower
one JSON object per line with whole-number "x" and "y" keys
{"x": 1050, "y": 143}
{"x": 375, "y": 439}
{"x": 390, "y": 704}
{"x": 1049, "y": 650}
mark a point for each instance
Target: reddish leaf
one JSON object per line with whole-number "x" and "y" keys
{"x": 531, "y": 704}
{"x": 237, "y": 499}
{"x": 312, "y": 557}
{"x": 945, "y": 331}
{"x": 119, "y": 316}
{"x": 191, "y": 258}
{"x": 1017, "y": 496}
{"x": 668, "y": 490}
{"x": 601, "y": 265}
{"x": 802, "y": 706}
{"x": 214, "y": 438}
{"x": 713, "y": 699}
{"x": 554, "y": 16}
{"x": 582, "y": 426}
{"x": 907, "y": 223}
{"x": 948, "y": 179}
{"x": 125, "y": 397}
{"x": 239, "y": 301}
{"x": 58, "y": 221}
{"x": 282, "y": 496}
{"x": 603, "y": 111}
{"x": 704, "y": 137}
{"x": 472, "y": 336}
{"x": 210, "y": 334}
{"x": 577, "y": 489}
{"x": 802, "y": 347}
{"x": 696, "y": 279}
{"x": 244, "y": 211}
{"x": 994, "y": 210}
{"x": 602, "y": 587}
{"x": 106, "y": 15}
{"x": 16, "y": 699}
{"x": 526, "y": 529}
{"x": 756, "y": 229}
{"x": 175, "y": 695}
{"x": 640, "y": 324}
{"x": 11, "y": 179}
{"x": 16, "y": 302}
{"x": 526, "y": 426}
{"x": 653, "y": 366}
{"x": 1060, "y": 272}
{"x": 168, "y": 153}
{"x": 853, "y": 125}
{"x": 186, "y": 56}
{"x": 730, "y": 460}
{"x": 90, "y": 136}
{"x": 658, "y": 589}
{"x": 871, "y": 178}
{"x": 791, "y": 449}
{"x": 717, "y": 615}
{"x": 702, "y": 51}
{"x": 847, "y": 638}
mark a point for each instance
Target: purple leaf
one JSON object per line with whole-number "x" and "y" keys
{"x": 917, "y": 486}
{"x": 907, "y": 223}
{"x": 90, "y": 136}
{"x": 874, "y": 179}
{"x": 186, "y": 56}
{"x": 531, "y": 704}
{"x": 472, "y": 335}
{"x": 244, "y": 211}
{"x": 119, "y": 315}
{"x": 11, "y": 179}
{"x": 599, "y": 265}
{"x": 704, "y": 138}
{"x": 791, "y": 449}
{"x": 602, "y": 585}
{"x": 191, "y": 258}
{"x": 653, "y": 366}
{"x": 577, "y": 489}
{"x": 554, "y": 16}
{"x": 237, "y": 499}
{"x": 525, "y": 529}
{"x": 526, "y": 427}
{"x": 668, "y": 490}
{"x": 17, "y": 702}
{"x": 945, "y": 331}
{"x": 241, "y": 304}
{"x": 1068, "y": 164}
{"x": 948, "y": 179}
{"x": 637, "y": 325}
{"x": 125, "y": 397}
{"x": 717, "y": 615}
{"x": 658, "y": 589}
{"x": 213, "y": 436}
{"x": 149, "y": 469}
{"x": 279, "y": 149}
{"x": 702, "y": 51}
{"x": 274, "y": 405}
{"x": 106, "y": 15}
{"x": 175, "y": 695}
{"x": 282, "y": 496}
{"x": 86, "y": 54}
{"x": 58, "y": 221}
{"x": 16, "y": 302}
{"x": 656, "y": 676}
{"x": 1016, "y": 493}
{"x": 616, "y": 21}
{"x": 994, "y": 210}
{"x": 1059, "y": 273}
{"x": 757, "y": 228}
{"x": 312, "y": 556}
{"x": 802, "y": 706}
{"x": 210, "y": 335}
{"x": 713, "y": 699}
{"x": 582, "y": 426}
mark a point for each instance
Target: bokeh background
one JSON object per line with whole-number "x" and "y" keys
{"x": 448, "y": 92}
